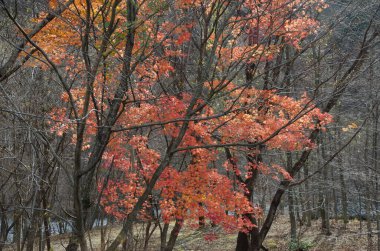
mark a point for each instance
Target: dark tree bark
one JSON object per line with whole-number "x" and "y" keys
{"x": 174, "y": 234}
{"x": 292, "y": 216}
{"x": 325, "y": 195}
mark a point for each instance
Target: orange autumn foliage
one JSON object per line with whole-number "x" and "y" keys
{"x": 226, "y": 113}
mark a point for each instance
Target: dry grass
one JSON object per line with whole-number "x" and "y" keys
{"x": 349, "y": 239}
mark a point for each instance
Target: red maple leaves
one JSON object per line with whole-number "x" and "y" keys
{"x": 225, "y": 114}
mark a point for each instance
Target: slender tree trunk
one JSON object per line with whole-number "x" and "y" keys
{"x": 32, "y": 231}
{"x": 292, "y": 216}
{"x": 201, "y": 219}
{"x": 296, "y": 205}
{"x": 375, "y": 150}
{"x": 343, "y": 193}
{"x": 324, "y": 196}
{"x": 309, "y": 200}
{"x": 250, "y": 241}
{"x": 174, "y": 234}
{"x": 79, "y": 229}
{"x": 103, "y": 230}
{"x": 343, "y": 187}
{"x": 334, "y": 195}
{"x": 17, "y": 229}
{"x": 368, "y": 203}
{"x": 36, "y": 215}
{"x": 41, "y": 245}
{"x": 378, "y": 213}
{"x": 164, "y": 233}
{"x": 4, "y": 227}
{"x": 377, "y": 189}
{"x": 369, "y": 221}
{"x": 360, "y": 210}
{"x": 46, "y": 221}
{"x": 368, "y": 210}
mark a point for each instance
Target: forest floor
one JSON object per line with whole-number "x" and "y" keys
{"x": 350, "y": 239}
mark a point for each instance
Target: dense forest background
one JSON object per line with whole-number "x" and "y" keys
{"x": 50, "y": 184}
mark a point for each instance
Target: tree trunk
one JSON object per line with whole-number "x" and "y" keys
{"x": 375, "y": 160}
{"x": 33, "y": 227}
{"x": 343, "y": 193}
{"x": 79, "y": 229}
{"x": 242, "y": 243}
{"x": 343, "y": 188}
{"x": 368, "y": 208}
{"x": 201, "y": 219}
{"x": 252, "y": 238}
{"x": 324, "y": 196}
{"x": 164, "y": 233}
{"x": 308, "y": 210}
{"x": 334, "y": 195}
{"x": 292, "y": 216}
{"x": 46, "y": 224}
{"x": 17, "y": 230}
{"x": 369, "y": 222}
{"x": 4, "y": 227}
{"x": 174, "y": 234}
{"x": 41, "y": 245}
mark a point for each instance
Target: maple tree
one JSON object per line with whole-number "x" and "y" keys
{"x": 147, "y": 83}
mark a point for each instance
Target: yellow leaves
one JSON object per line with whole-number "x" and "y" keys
{"x": 351, "y": 126}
